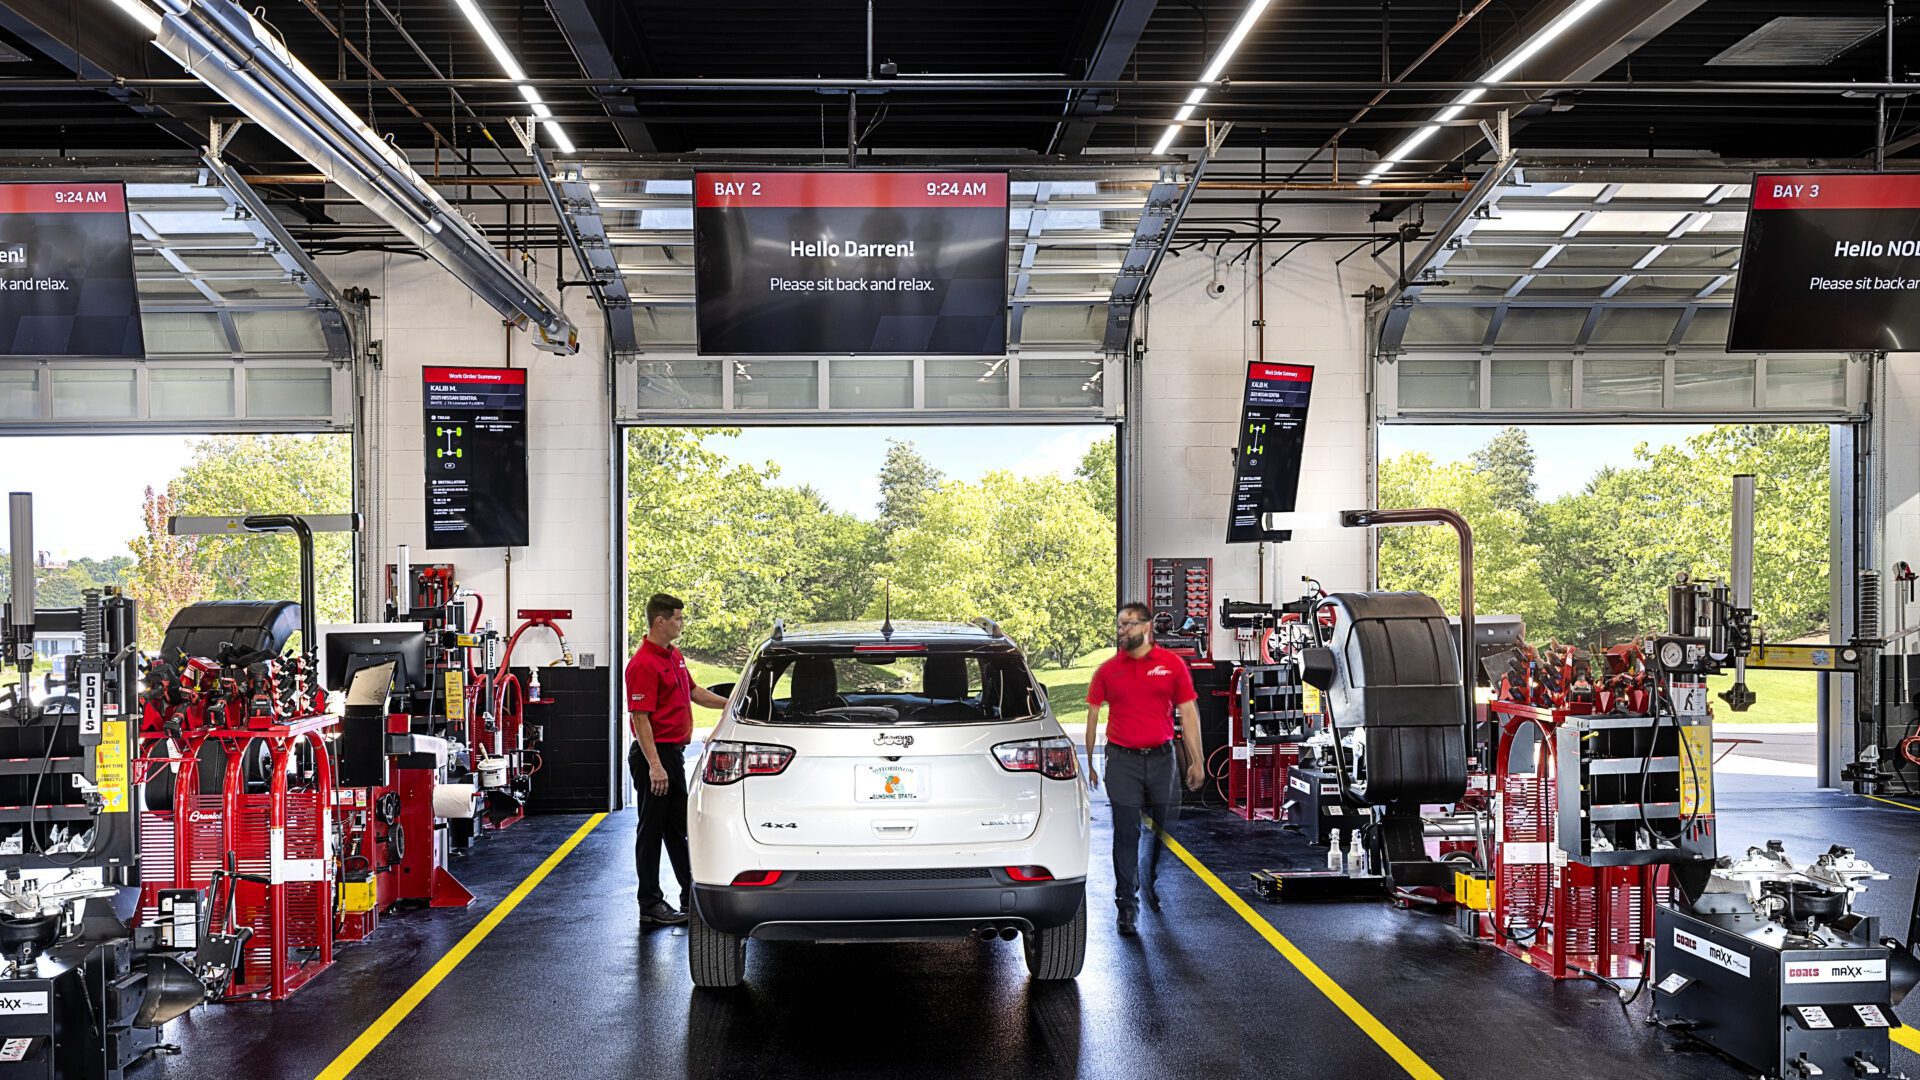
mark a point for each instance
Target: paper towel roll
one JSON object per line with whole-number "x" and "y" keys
{"x": 453, "y": 800}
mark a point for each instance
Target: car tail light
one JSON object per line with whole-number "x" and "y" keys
{"x": 731, "y": 761}
{"x": 756, "y": 877}
{"x": 1029, "y": 873}
{"x": 1051, "y": 758}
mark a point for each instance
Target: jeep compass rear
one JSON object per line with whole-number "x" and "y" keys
{"x": 888, "y": 784}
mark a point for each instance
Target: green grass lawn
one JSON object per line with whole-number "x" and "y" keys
{"x": 1066, "y": 689}
{"x": 1783, "y": 697}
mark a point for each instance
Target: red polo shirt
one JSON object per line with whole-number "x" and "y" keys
{"x": 658, "y": 684}
{"x": 1141, "y": 695}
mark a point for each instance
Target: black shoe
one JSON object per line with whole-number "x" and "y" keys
{"x": 1153, "y": 901}
{"x": 659, "y": 914}
{"x": 1125, "y": 925}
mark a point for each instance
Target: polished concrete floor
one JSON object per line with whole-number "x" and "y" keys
{"x": 568, "y": 986}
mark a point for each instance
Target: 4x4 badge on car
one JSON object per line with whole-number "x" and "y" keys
{"x": 892, "y": 740}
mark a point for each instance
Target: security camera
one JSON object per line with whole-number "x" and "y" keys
{"x": 1216, "y": 288}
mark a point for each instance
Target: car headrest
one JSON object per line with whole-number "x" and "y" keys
{"x": 813, "y": 678}
{"x": 945, "y": 677}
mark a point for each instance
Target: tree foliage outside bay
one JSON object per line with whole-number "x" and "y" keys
{"x": 1592, "y": 567}
{"x": 245, "y": 474}
{"x": 741, "y": 549}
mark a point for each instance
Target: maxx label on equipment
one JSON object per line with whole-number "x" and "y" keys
{"x": 476, "y": 457}
{"x": 792, "y": 263}
{"x": 1273, "y": 432}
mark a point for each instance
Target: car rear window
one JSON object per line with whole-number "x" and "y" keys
{"x": 843, "y": 689}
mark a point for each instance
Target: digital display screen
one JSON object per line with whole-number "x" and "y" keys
{"x": 476, "y": 457}
{"x": 66, "y": 272}
{"x": 1273, "y": 433}
{"x": 790, "y": 263}
{"x": 1830, "y": 263}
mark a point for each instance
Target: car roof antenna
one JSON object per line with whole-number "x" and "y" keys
{"x": 886, "y": 621}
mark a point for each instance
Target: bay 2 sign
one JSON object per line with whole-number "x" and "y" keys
{"x": 791, "y": 263}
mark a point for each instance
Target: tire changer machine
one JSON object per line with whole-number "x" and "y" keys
{"x": 83, "y": 995}
{"x": 294, "y": 820}
{"x": 474, "y": 700}
{"x": 1760, "y": 956}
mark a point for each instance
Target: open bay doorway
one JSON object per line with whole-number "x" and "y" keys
{"x": 1012, "y": 522}
{"x": 1579, "y": 529}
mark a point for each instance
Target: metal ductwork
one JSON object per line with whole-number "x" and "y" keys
{"x": 217, "y": 42}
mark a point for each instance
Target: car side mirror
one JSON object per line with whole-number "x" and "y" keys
{"x": 1317, "y": 667}
{"x": 722, "y": 689}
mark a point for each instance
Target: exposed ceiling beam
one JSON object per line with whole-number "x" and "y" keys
{"x": 589, "y": 42}
{"x": 1108, "y": 61}
{"x": 1603, "y": 38}
{"x": 107, "y": 46}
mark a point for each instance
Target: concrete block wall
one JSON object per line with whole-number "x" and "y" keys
{"x": 1195, "y": 370}
{"x": 424, "y": 318}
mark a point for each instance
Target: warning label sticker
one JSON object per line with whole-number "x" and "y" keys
{"x": 110, "y": 766}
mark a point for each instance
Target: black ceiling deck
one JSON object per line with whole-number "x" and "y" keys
{"x": 346, "y": 42}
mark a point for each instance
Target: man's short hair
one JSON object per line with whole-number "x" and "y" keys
{"x": 662, "y": 606}
{"x": 1136, "y": 608}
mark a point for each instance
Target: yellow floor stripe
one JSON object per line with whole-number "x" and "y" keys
{"x": 1890, "y": 802}
{"x": 1356, "y": 1012}
{"x": 1905, "y": 1037}
{"x": 351, "y": 1057}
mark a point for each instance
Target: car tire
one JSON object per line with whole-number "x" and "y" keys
{"x": 717, "y": 959}
{"x": 1058, "y": 952}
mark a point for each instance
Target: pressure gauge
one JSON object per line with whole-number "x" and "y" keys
{"x": 1672, "y": 654}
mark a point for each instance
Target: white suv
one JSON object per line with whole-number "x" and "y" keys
{"x": 896, "y": 783}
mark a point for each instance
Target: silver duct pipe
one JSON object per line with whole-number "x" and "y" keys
{"x": 1742, "y": 565}
{"x": 20, "y": 529}
{"x": 218, "y": 43}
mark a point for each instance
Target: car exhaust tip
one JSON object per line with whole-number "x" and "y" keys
{"x": 1008, "y": 933}
{"x": 987, "y": 933}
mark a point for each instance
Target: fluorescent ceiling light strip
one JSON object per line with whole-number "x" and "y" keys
{"x": 144, "y": 15}
{"x": 1527, "y": 50}
{"x": 1227, "y": 48}
{"x": 514, "y": 71}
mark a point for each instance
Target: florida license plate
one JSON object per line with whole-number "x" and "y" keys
{"x": 889, "y": 784}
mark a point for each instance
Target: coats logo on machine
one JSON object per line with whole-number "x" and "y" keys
{"x": 1836, "y": 971}
{"x": 1714, "y": 954}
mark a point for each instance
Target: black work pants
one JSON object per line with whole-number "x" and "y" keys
{"x": 1137, "y": 784}
{"x": 663, "y": 820}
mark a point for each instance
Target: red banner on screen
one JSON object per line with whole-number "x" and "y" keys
{"x": 849, "y": 189}
{"x": 1836, "y": 191}
{"x": 504, "y": 376}
{"x": 63, "y": 199}
{"x": 1276, "y": 371}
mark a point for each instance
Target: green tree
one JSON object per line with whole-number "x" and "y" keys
{"x": 1507, "y": 461}
{"x": 1506, "y": 563}
{"x": 1099, "y": 470}
{"x": 905, "y": 480}
{"x": 247, "y": 474}
{"x": 165, "y": 576}
{"x": 1626, "y": 537}
{"x": 1034, "y": 554}
{"x": 737, "y": 547}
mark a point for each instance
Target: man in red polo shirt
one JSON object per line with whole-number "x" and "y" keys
{"x": 660, "y": 696}
{"x": 1141, "y": 686}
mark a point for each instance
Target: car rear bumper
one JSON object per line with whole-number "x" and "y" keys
{"x": 825, "y": 906}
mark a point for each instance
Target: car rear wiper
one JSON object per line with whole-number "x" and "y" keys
{"x": 882, "y": 712}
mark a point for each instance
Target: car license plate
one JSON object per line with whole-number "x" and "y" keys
{"x": 889, "y": 784}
